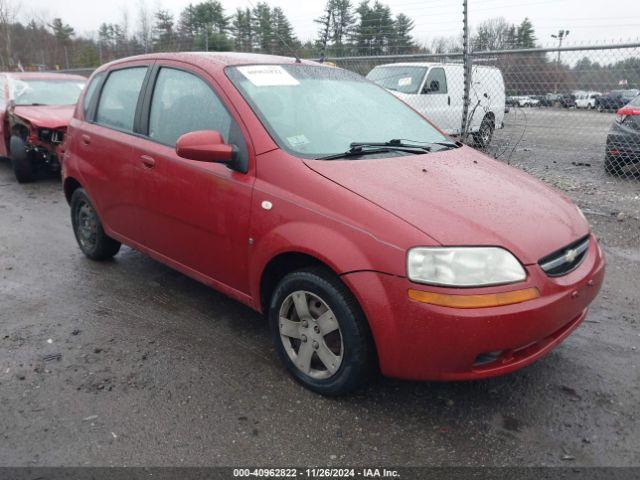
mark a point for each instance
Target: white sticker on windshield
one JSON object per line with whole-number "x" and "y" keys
{"x": 404, "y": 82}
{"x": 268, "y": 75}
{"x": 297, "y": 140}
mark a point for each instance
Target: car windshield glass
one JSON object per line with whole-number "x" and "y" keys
{"x": 315, "y": 111}
{"x": 400, "y": 78}
{"x": 45, "y": 91}
{"x": 635, "y": 102}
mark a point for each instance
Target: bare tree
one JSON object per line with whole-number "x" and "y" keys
{"x": 145, "y": 26}
{"x": 8, "y": 14}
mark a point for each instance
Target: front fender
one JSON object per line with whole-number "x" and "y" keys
{"x": 343, "y": 250}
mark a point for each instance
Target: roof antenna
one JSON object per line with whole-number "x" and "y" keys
{"x": 282, "y": 40}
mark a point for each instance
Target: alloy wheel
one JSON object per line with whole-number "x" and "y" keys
{"x": 310, "y": 334}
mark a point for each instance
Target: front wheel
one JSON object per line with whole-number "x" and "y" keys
{"x": 320, "y": 332}
{"x": 23, "y": 167}
{"x": 88, "y": 230}
{"x": 482, "y": 138}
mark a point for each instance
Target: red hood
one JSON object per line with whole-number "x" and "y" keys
{"x": 50, "y": 116}
{"x": 464, "y": 198}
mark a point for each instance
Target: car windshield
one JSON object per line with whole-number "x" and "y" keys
{"x": 399, "y": 78}
{"x": 315, "y": 111}
{"x": 45, "y": 91}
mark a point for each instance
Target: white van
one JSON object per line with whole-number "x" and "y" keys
{"x": 436, "y": 90}
{"x": 586, "y": 99}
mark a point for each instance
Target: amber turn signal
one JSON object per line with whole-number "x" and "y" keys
{"x": 474, "y": 301}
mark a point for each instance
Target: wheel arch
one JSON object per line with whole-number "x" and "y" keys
{"x": 279, "y": 266}
{"x": 70, "y": 185}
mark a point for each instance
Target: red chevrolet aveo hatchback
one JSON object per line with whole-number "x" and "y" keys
{"x": 371, "y": 241}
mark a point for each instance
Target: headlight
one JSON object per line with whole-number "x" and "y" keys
{"x": 463, "y": 266}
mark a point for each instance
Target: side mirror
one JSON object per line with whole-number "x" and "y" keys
{"x": 205, "y": 146}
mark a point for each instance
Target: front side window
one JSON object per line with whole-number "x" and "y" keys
{"x": 45, "y": 91}
{"x": 436, "y": 81}
{"x": 119, "y": 98}
{"x": 184, "y": 103}
{"x": 314, "y": 111}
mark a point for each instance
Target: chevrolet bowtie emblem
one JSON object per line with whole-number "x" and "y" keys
{"x": 570, "y": 255}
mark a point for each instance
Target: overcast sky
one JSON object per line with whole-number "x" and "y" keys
{"x": 589, "y": 21}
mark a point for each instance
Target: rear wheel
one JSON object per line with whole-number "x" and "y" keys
{"x": 482, "y": 138}
{"x": 88, "y": 230}
{"x": 23, "y": 167}
{"x": 320, "y": 333}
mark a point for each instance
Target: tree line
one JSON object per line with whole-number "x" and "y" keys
{"x": 344, "y": 28}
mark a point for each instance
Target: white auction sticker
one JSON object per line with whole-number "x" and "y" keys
{"x": 404, "y": 82}
{"x": 268, "y": 75}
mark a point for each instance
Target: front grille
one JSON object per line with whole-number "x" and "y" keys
{"x": 566, "y": 259}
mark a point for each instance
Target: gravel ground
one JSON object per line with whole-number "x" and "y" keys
{"x": 130, "y": 363}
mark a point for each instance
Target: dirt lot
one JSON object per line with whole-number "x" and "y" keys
{"x": 130, "y": 363}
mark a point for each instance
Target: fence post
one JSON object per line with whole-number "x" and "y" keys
{"x": 466, "y": 60}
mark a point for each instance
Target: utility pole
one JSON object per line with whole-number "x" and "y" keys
{"x": 562, "y": 34}
{"x": 466, "y": 60}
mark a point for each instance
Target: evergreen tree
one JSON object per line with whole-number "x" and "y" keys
{"x": 525, "y": 36}
{"x": 402, "y": 42}
{"x": 163, "y": 33}
{"x": 242, "y": 30}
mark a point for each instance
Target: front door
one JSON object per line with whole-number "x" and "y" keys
{"x": 436, "y": 100}
{"x": 195, "y": 214}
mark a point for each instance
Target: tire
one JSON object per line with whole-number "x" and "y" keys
{"x": 482, "y": 138}
{"x": 612, "y": 166}
{"x": 23, "y": 167}
{"x": 88, "y": 230}
{"x": 345, "y": 332}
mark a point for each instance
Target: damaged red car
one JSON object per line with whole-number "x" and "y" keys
{"x": 370, "y": 240}
{"x": 35, "y": 109}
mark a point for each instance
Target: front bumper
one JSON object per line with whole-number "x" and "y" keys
{"x": 419, "y": 341}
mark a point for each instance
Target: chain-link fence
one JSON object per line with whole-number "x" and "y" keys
{"x": 570, "y": 115}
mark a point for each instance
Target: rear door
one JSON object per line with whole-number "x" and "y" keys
{"x": 104, "y": 152}
{"x": 195, "y": 214}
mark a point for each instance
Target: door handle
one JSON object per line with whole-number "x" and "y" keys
{"x": 147, "y": 161}
{"x": 86, "y": 139}
{"x": 448, "y": 99}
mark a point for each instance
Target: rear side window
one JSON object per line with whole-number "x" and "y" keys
{"x": 91, "y": 90}
{"x": 117, "y": 107}
{"x": 184, "y": 103}
{"x": 436, "y": 81}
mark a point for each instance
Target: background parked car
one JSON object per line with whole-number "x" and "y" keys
{"x": 523, "y": 100}
{"x": 35, "y": 109}
{"x": 550, "y": 99}
{"x": 616, "y": 99}
{"x": 568, "y": 100}
{"x": 586, "y": 99}
{"x": 436, "y": 91}
{"x": 623, "y": 141}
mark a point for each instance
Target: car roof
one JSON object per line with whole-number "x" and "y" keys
{"x": 44, "y": 76}
{"x": 218, "y": 59}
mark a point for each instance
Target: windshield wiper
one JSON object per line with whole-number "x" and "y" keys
{"x": 398, "y": 142}
{"x": 358, "y": 150}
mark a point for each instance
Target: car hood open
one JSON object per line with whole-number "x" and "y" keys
{"x": 462, "y": 197}
{"x": 45, "y": 116}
